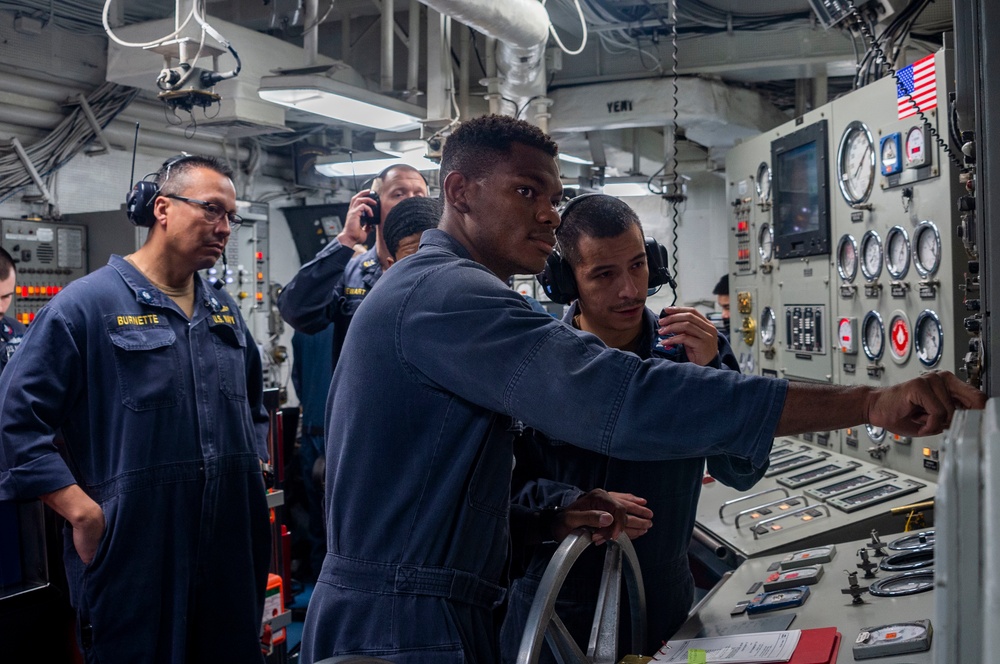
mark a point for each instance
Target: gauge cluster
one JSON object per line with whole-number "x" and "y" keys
{"x": 849, "y": 249}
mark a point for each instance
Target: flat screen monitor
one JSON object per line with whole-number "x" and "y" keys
{"x": 801, "y": 193}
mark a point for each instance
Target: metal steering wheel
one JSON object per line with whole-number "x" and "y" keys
{"x": 543, "y": 621}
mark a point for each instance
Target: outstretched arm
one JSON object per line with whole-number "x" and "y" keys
{"x": 919, "y": 407}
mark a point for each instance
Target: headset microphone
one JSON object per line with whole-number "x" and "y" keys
{"x": 219, "y": 283}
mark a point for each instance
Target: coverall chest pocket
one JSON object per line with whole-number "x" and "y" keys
{"x": 147, "y": 364}
{"x": 230, "y": 345}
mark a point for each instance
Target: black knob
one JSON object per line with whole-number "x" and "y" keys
{"x": 973, "y": 267}
{"x": 972, "y": 305}
{"x": 972, "y": 324}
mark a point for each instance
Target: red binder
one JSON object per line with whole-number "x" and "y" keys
{"x": 817, "y": 646}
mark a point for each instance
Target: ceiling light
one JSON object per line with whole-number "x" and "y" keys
{"x": 570, "y": 159}
{"x": 315, "y": 93}
{"x": 620, "y": 189}
{"x": 370, "y": 163}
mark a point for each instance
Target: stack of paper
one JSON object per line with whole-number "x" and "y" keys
{"x": 807, "y": 646}
{"x": 756, "y": 648}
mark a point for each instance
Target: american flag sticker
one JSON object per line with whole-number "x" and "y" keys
{"x": 917, "y": 83}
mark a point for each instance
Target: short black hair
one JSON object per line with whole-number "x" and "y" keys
{"x": 175, "y": 167}
{"x": 384, "y": 173}
{"x": 722, "y": 288}
{"x": 476, "y": 146}
{"x": 593, "y": 215}
{"x": 411, "y": 215}
{"x": 6, "y": 264}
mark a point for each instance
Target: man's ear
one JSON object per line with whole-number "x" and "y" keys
{"x": 160, "y": 209}
{"x": 456, "y": 191}
{"x": 389, "y": 261}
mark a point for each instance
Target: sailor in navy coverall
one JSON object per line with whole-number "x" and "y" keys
{"x": 418, "y": 500}
{"x": 602, "y": 253}
{"x": 329, "y": 288}
{"x": 156, "y": 385}
{"x": 11, "y": 331}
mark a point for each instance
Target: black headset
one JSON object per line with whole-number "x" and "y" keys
{"x": 139, "y": 200}
{"x": 374, "y": 187}
{"x": 557, "y": 278}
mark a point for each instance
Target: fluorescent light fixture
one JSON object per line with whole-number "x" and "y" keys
{"x": 620, "y": 189}
{"x": 370, "y": 163}
{"x": 570, "y": 159}
{"x": 315, "y": 93}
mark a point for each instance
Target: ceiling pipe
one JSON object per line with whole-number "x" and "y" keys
{"x": 518, "y": 23}
{"x": 388, "y": 22}
{"x": 521, "y": 27}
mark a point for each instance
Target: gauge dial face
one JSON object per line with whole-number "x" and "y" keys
{"x": 926, "y": 248}
{"x": 873, "y": 336}
{"x": 768, "y": 323}
{"x": 916, "y": 148}
{"x": 928, "y": 338}
{"x": 765, "y": 243}
{"x": 871, "y": 255}
{"x": 889, "y": 155}
{"x": 847, "y": 258}
{"x": 763, "y": 184}
{"x": 897, "y": 252}
{"x": 856, "y": 161}
{"x": 875, "y": 433}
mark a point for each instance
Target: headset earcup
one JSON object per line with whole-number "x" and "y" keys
{"x": 656, "y": 259}
{"x": 139, "y": 203}
{"x": 557, "y": 279}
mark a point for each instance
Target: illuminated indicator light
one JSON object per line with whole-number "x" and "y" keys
{"x": 805, "y": 555}
{"x": 892, "y": 635}
{"x": 260, "y": 255}
{"x": 783, "y": 507}
{"x": 927, "y": 451}
{"x": 755, "y": 515}
{"x": 775, "y": 526}
{"x": 260, "y": 276}
{"x": 850, "y": 431}
{"x": 806, "y": 517}
{"x": 260, "y": 297}
{"x": 31, "y": 317}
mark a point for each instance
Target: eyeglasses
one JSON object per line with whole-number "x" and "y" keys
{"x": 213, "y": 213}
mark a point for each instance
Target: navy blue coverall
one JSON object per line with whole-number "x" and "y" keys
{"x": 417, "y": 502}
{"x": 164, "y": 427}
{"x": 10, "y": 338}
{"x": 671, "y": 489}
{"x": 329, "y": 289}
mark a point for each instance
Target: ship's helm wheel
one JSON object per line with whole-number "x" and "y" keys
{"x": 544, "y": 625}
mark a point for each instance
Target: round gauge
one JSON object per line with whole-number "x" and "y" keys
{"x": 871, "y": 255}
{"x": 900, "y": 337}
{"x": 906, "y": 560}
{"x": 928, "y": 338}
{"x": 877, "y": 434}
{"x": 768, "y": 323}
{"x": 918, "y": 540}
{"x": 926, "y": 248}
{"x": 763, "y": 184}
{"x": 916, "y": 149}
{"x": 765, "y": 243}
{"x": 897, "y": 252}
{"x": 873, "y": 336}
{"x": 856, "y": 163}
{"x": 847, "y": 258}
{"x": 905, "y": 583}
